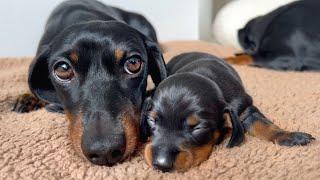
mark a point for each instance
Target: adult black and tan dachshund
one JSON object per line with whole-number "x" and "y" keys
{"x": 190, "y": 110}
{"x": 284, "y": 39}
{"x": 92, "y": 63}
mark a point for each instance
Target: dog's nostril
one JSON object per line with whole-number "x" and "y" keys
{"x": 116, "y": 154}
{"x": 104, "y": 156}
{"x": 93, "y": 156}
{"x": 97, "y": 159}
{"x": 163, "y": 168}
{"x": 104, "y": 152}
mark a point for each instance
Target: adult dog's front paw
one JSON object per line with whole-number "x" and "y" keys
{"x": 294, "y": 139}
{"x": 26, "y": 103}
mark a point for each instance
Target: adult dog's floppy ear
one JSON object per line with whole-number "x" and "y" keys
{"x": 39, "y": 81}
{"x": 156, "y": 64}
{"x": 237, "y": 136}
{"x": 251, "y": 36}
{"x": 144, "y": 126}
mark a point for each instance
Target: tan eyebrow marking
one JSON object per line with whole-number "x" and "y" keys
{"x": 74, "y": 56}
{"x": 118, "y": 53}
{"x": 192, "y": 120}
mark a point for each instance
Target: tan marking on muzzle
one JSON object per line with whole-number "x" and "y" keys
{"x": 183, "y": 160}
{"x": 75, "y": 131}
{"x": 148, "y": 154}
{"x": 193, "y": 156}
{"x": 131, "y": 131}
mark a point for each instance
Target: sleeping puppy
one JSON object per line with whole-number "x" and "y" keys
{"x": 285, "y": 39}
{"x": 92, "y": 63}
{"x": 190, "y": 110}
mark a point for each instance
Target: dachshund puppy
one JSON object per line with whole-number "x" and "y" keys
{"x": 284, "y": 39}
{"x": 189, "y": 111}
{"x": 92, "y": 63}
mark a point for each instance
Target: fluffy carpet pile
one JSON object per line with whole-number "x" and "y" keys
{"x": 36, "y": 145}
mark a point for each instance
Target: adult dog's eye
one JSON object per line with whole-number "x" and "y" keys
{"x": 63, "y": 71}
{"x": 133, "y": 65}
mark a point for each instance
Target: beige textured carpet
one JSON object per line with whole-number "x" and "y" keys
{"x": 36, "y": 145}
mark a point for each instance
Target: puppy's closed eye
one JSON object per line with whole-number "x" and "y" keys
{"x": 201, "y": 133}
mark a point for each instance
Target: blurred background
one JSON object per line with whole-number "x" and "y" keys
{"x": 22, "y": 22}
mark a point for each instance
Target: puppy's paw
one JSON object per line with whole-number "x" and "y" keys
{"x": 294, "y": 139}
{"x": 26, "y": 103}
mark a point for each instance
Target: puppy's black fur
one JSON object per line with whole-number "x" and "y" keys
{"x": 93, "y": 61}
{"x": 286, "y": 38}
{"x": 188, "y": 111}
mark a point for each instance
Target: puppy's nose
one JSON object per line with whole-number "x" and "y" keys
{"x": 101, "y": 154}
{"x": 164, "y": 164}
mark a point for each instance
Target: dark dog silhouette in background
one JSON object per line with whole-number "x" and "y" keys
{"x": 287, "y": 38}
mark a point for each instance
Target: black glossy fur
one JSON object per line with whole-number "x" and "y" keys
{"x": 101, "y": 96}
{"x": 286, "y": 38}
{"x": 206, "y": 87}
{"x": 202, "y": 78}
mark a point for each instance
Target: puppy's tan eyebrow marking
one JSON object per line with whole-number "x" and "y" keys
{"x": 153, "y": 114}
{"x": 74, "y": 57}
{"x": 118, "y": 53}
{"x": 193, "y": 120}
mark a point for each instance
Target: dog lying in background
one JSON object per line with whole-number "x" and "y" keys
{"x": 92, "y": 63}
{"x": 189, "y": 111}
{"x": 234, "y": 15}
{"x": 284, "y": 39}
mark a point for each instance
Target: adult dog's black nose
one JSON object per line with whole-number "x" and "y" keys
{"x": 102, "y": 153}
{"x": 103, "y": 141}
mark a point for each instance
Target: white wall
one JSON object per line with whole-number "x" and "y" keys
{"x": 22, "y": 21}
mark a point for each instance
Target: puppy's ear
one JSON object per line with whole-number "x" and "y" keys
{"x": 39, "y": 82}
{"x": 251, "y": 36}
{"x": 144, "y": 126}
{"x": 237, "y": 136}
{"x": 156, "y": 65}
